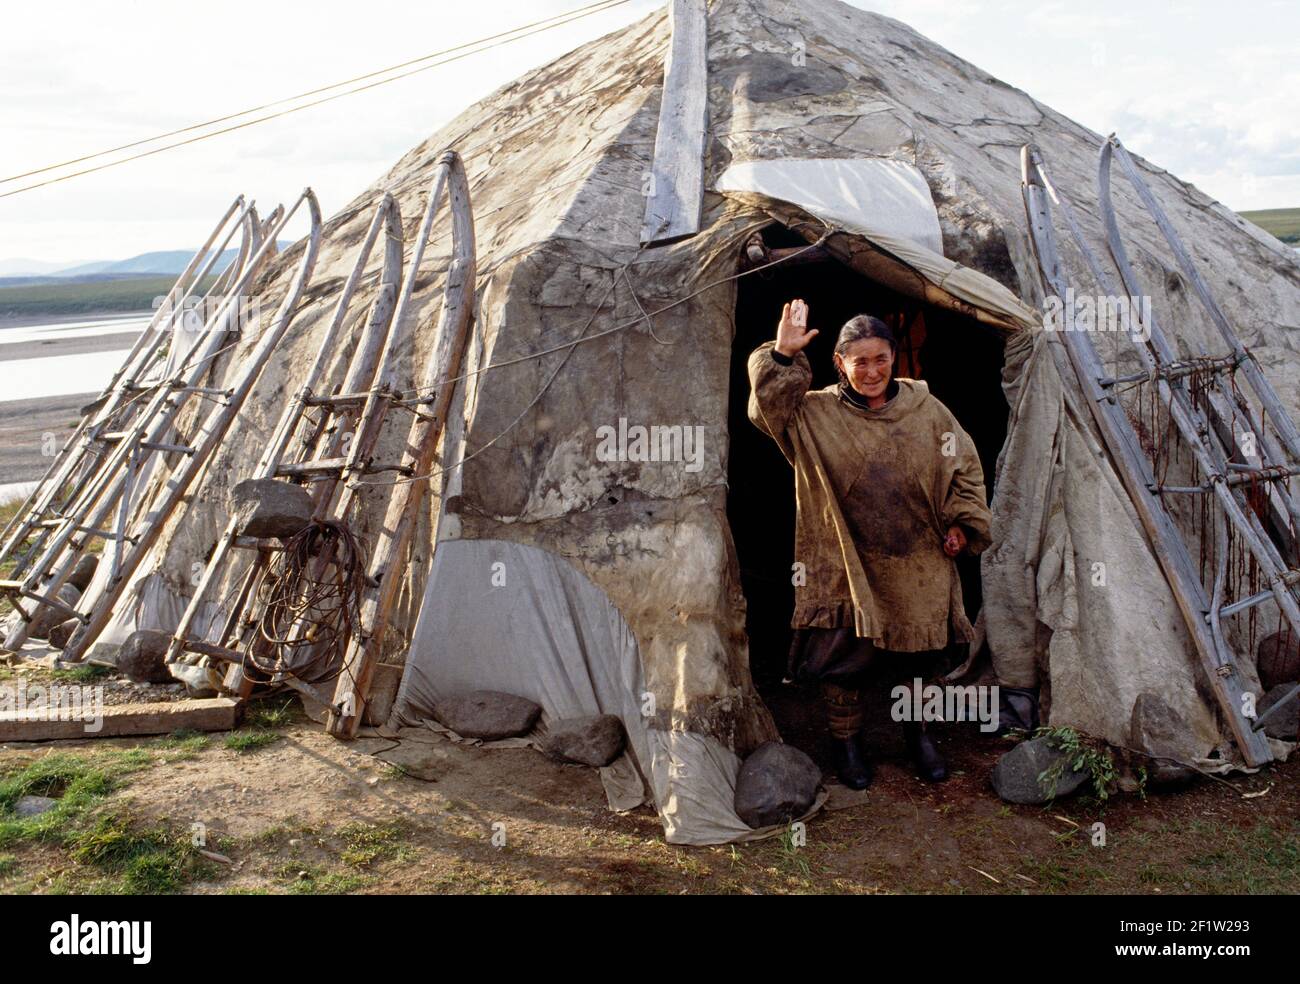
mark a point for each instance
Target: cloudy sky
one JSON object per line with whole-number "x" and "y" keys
{"x": 1203, "y": 89}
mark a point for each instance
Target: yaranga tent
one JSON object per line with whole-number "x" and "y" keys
{"x": 606, "y": 533}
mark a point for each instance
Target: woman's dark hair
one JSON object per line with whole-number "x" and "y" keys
{"x": 864, "y": 326}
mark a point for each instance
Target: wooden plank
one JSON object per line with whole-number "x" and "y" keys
{"x": 677, "y": 173}
{"x": 119, "y": 720}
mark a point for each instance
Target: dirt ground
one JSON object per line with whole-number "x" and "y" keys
{"x": 281, "y": 807}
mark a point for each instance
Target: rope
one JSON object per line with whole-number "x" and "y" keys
{"x": 311, "y": 605}
{"x": 569, "y": 346}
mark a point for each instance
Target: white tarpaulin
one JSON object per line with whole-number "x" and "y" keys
{"x": 512, "y": 618}
{"x": 867, "y": 196}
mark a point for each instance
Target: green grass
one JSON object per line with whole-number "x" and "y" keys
{"x": 130, "y": 294}
{"x": 113, "y": 853}
{"x": 88, "y": 673}
{"x": 369, "y": 843}
{"x": 260, "y": 723}
{"x": 78, "y": 783}
{"x": 136, "y": 859}
{"x": 1281, "y": 222}
{"x": 250, "y": 741}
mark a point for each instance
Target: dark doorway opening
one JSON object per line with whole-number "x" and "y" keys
{"x": 958, "y": 357}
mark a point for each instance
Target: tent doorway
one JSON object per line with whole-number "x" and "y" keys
{"x": 959, "y": 358}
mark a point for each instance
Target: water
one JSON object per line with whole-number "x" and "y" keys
{"x": 73, "y": 364}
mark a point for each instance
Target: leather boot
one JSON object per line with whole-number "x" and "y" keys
{"x": 853, "y": 763}
{"x": 929, "y": 764}
{"x": 844, "y": 714}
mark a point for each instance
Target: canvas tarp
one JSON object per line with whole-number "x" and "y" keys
{"x": 862, "y": 195}
{"x": 517, "y": 619}
{"x": 886, "y": 203}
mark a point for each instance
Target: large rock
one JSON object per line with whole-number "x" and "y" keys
{"x": 1016, "y": 775}
{"x": 1159, "y": 731}
{"x": 34, "y": 806}
{"x": 47, "y": 618}
{"x": 84, "y": 572}
{"x": 141, "y": 656}
{"x": 61, "y": 633}
{"x": 1277, "y": 659}
{"x": 777, "y": 784}
{"x": 269, "y": 508}
{"x": 387, "y": 677}
{"x": 595, "y": 740}
{"x": 487, "y": 714}
{"x": 1285, "y": 724}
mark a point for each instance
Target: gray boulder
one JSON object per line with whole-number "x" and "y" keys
{"x": 595, "y": 740}
{"x": 47, "y": 618}
{"x": 84, "y": 571}
{"x": 141, "y": 656}
{"x": 1285, "y": 724}
{"x": 487, "y": 714}
{"x": 1158, "y": 730}
{"x": 34, "y": 806}
{"x": 1016, "y": 775}
{"x": 384, "y": 682}
{"x": 61, "y": 633}
{"x": 777, "y": 784}
{"x": 268, "y": 508}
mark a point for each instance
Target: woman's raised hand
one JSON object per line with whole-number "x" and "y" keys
{"x": 792, "y": 334}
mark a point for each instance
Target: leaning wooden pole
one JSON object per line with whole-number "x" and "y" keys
{"x": 387, "y": 221}
{"x": 390, "y": 554}
{"x": 1131, "y": 466}
{"x": 210, "y": 436}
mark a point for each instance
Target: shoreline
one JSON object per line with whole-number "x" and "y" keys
{"x": 36, "y": 320}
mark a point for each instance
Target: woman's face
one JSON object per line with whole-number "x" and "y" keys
{"x": 868, "y": 363}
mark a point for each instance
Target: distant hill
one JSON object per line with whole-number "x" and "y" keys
{"x": 1281, "y": 222}
{"x": 63, "y": 297}
{"x": 160, "y": 262}
{"x": 20, "y": 267}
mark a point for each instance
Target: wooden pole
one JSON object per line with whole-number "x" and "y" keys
{"x": 1131, "y": 465}
{"x": 400, "y": 521}
{"x": 212, "y": 433}
{"x": 676, "y": 196}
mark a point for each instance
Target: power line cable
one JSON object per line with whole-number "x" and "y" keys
{"x": 493, "y": 41}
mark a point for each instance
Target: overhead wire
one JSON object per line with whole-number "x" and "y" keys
{"x": 485, "y": 44}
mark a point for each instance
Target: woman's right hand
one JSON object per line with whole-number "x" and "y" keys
{"x": 792, "y": 334}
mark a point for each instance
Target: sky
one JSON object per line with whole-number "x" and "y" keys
{"x": 1204, "y": 89}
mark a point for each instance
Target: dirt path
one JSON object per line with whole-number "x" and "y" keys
{"x": 300, "y": 812}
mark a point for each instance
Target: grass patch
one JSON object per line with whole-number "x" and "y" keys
{"x": 114, "y": 853}
{"x": 179, "y": 746}
{"x": 303, "y": 879}
{"x": 270, "y": 714}
{"x": 87, "y": 673}
{"x": 369, "y": 843}
{"x": 1281, "y": 222}
{"x": 138, "y": 859}
{"x": 77, "y": 782}
{"x": 250, "y": 741}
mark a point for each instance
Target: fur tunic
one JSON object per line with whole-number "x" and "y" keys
{"x": 876, "y": 491}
